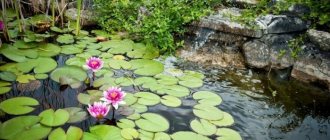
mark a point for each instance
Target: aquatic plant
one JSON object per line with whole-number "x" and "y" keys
{"x": 94, "y": 64}
{"x": 114, "y": 96}
{"x": 98, "y": 110}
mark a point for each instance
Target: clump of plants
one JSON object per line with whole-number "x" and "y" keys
{"x": 153, "y": 21}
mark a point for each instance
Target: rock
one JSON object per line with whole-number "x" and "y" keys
{"x": 256, "y": 54}
{"x": 312, "y": 66}
{"x": 299, "y": 9}
{"x": 320, "y": 38}
{"x": 221, "y": 21}
{"x": 274, "y": 24}
{"x": 243, "y": 3}
{"x": 87, "y": 16}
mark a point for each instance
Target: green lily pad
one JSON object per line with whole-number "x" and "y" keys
{"x": 118, "y": 64}
{"x": 59, "y": 30}
{"x": 76, "y": 114}
{"x": 228, "y": 134}
{"x": 227, "y": 120}
{"x": 18, "y": 105}
{"x": 106, "y": 132}
{"x": 144, "y": 80}
{"x": 3, "y": 83}
{"x": 90, "y": 136}
{"x": 65, "y": 39}
{"x": 146, "y": 67}
{"x": 207, "y": 112}
{"x": 73, "y": 133}
{"x": 15, "y": 126}
{"x": 170, "y": 101}
{"x": 25, "y": 78}
{"x": 162, "y": 136}
{"x": 8, "y": 76}
{"x": 40, "y": 18}
{"x": 190, "y": 81}
{"x": 48, "y": 50}
{"x": 134, "y": 116}
{"x": 24, "y": 45}
{"x": 68, "y": 71}
{"x": 187, "y": 135}
{"x": 121, "y": 47}
{"x": 124, "y": 81}
{"x": 106, "y": 80}
{"x": 76, "y": 61}
{"x": 129, "y": 133}
{"x": 130, "y": 99}
{"x": 194, "y": 74}
{"x": 4, "y": 90}
{"x": 50, "y": 117}
{"x": 207, "y": 97}
{"x": 152, "y": 122}
{"x": 84, "y": 98}
{"x": 138, "y": 50}
{"x": 34, "y": 132}
{"x": 203, "y": 127}
{"x": 147, "y": 98}
{"x": 41, "y": 76}
{"x": 139, "y": 108}
{"x": 71, "y": 49}
{"x": 125, "y": 123}
{"x": 166, "y": 79}
{"x": 174, "y": 90}
{"x": 93, "y": 52}
{"x": 42, "y": 68}
{"x": 18, "y": 55}
{"x": 146, "y": 135}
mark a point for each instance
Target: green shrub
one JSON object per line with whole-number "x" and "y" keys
{"x": 151, "y": 21}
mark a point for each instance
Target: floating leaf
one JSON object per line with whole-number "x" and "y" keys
{"x": 59, "y": 30}
{"x": 207, "y": 97}
{"x": 23, "y": 45}
{"x": 146, "y": 67}
{"x": 93, "y": 52}
{"x": 203, "y": 127}
{"x": 106, "y": 132}
{"x": 4, "y": 90}
{"x": 162, "y": 136}
{"x": 139, "y": 108}
{"x": 174, "y": 90}
{"x": 76, "y": 61}
{"x": 170, "y": 101}
{"x": 144, "y": 80}
{"x": 228, "y": 134}
{"x": 7, "y": 76}
{"x": 138, "y": 50}
{"x": 73, "y": 133}
{"x": 51, "y": 118}
{"x": 194, "y": 74}
{"x": 65, "y": 39}
{"x": 134, "y": 116}
{"x": 152, "y": 122}
{"x": 18, "y": 105}
{"x": 207, "y": 112}
{"x": 71, "y": 49}
{"x": 17, "y": 55}
{"x": 227, "y": 120}
{"x": 84, "y": 98}
{"x": 166, "y": 79}
{"x": 129, "y": 133}
{"x": 125, "y": 123}
{"x": 42, "y": 68}
{"x": 125, "y": 110}
{"x": 130, "y": 99}
{"x": 48, "y": 50}
{"x": 41, "y": 76}
{"x": 34, "y": 132}
{"x": 147, "y": 98}
{"x": 106, "y": 80}
{"x": 121, "y": 47}
{"x": 118, "y": 64}
{"x": 190, "y": 81}
{"x": 76, "y": 114}
{"x": 68, "y": 71}
{"x": 146, "y": 135}
{"x": 57, "y": 134}
{"x": 187, "y": 135}
{"x": 89, "y": 136}
{"x": 25, "y": 78}
{"x": 124, "y": 81}
{"x": 15, "y": 126}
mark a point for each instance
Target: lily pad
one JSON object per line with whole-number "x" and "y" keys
{"x": 73, "y": 133}
{"x": 129, "y": 133}
{"x": 34, "y": 132}
{"x": 146, "y": 67}
{"x": 227, "y": 120}
{"x": 144, "y": 80}
{"x": 121, "y": 47}
{"x": 187, "y": 135}
{"x": 139, "y": 108}
{"x": 207, "y": 112}
{"x": 4, "y": 90}
{"x": 203, "y": 127}
{"x": 15, "y": 126}
{"x": 50, "y": 117}
{"x": 18, "y": 55}
{"x": 76, "y": 114}
{"x": 41, "y": 76}
{"x": 174, "y": 90}
{"x": 71, "y": 49}
{"x": 190, "y": 81}
{"x": 130, "y": 99}
{"x": 166, "y": 79}
{"x": 152, "y": 122}
{"x": 124, "y": 81}
{"x": 125, "y": 123}
{"x": 68, "y": 71}
{"x": 8, "y": 76}
{"x": 147, "y": 98}
{"x": 207, "y": 97}
{"x": 134, "y": 116}
{"x": 146, "y": 135}
{"x": 48, "y": 50}
{"x": 25, "y": 78}
{"x": 106, "y": 132}
{"x": 65, "y": 39}
{"x": 18, "y": 105}
{"x": 162, "y": 136}
{"x": 84, "y": 98}
{"x": 118, "y": 64}
{"x": 228, "y": 134}
{"x": 170, "y": 101}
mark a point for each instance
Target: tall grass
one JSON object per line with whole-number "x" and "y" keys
{"x": 79, "y": 3}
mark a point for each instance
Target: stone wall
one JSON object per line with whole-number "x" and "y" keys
{"x": 260, "y": 44}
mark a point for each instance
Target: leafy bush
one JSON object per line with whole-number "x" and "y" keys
{"x": 152, "y": 21}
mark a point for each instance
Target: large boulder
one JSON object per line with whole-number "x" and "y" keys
{"x": 320, "y": 38}
{"x": 256, "y": 54}
{"x": 312, "y": 66}
{"x": 87, "y": 16}
{"x": 276, "y": 24}
{"x": 222, "y": 21}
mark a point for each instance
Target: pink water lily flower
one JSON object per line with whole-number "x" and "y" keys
{"x": 94, "y": 64}
{"x": 1, "y": 25}
{"x": 98, "y": 110}
{"x": 114, "y": 96}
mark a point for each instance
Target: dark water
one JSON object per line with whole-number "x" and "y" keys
{"x": 298, "y": 111}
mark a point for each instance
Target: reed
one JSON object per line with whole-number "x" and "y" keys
{"x": 79, "y": 3}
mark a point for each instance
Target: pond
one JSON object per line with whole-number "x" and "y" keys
{"x": 165, "y": 98}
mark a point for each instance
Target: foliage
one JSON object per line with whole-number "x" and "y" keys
{"x": 154, "y": 21}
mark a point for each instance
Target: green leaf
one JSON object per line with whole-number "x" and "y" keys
{"x": 144, "y": 80}
{"x": 227, "y": 120}
{"x": 162, "y": 136}
{"x": 65, "y": 39}
{"x": 106, "y": 132}
{"x": 121, "y": 47}
{"x": 134, "y": 116}
{"x": 152, "y": 122}
{"x": 228, "y": 134}
{"x": 51, "y": 118}
{"x": 174, "y": 90}
{"x": 170, "y": 101}
{"x": 124, "y": 81}
{"x": 76, "y": 61}
{"x": 129, "y": 133}
{"x": 76, "y": 114}
{"x": 41, "y": 76}
{"x": 207, "y": 112}
{"x": 35, "y": 132}
{"x": 7, "y": 76}
{"x": 42, "y": 68}
{"x": 194, "y": 74}
{"x": 68, "y": 71}
{"x": 203, "y": 127}
{"x": 15, "y": 126}
{"x": 146, "y": 67}
{"x": 190, "y": 81}
{"x": 187, "y": 135}
{"x": 4, "y": 90}
{"x": 18, "y": 105}
{"x": 73, "y": 133}
{"x": 25, "y": 78}
{"x": 71, "y": 49}
{"x": 207, "y": 97}
{"x": 139, "y": 108}
{"x": 130, "y": 99}
{"x": 90, "y": 136}
{"x": 84, "y": 98}
{"x": 118, "y": 64}
{"x": 147, "y": 98}
{"x": 57, "y": 134}
{"x": 48, "y": 50}
{"x": 125, "y": 123}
